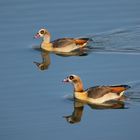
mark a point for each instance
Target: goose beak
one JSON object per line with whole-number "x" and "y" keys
{"x": 38, "y": 64}
{"x": 66, "y": 80}
{"x": 37, "y": 36}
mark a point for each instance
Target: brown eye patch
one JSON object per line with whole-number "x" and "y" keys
{"x": 71, "y": 77}
{"x": 42, "y": 31}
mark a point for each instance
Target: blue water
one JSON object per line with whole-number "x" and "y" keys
{"x": 33, "y": 101}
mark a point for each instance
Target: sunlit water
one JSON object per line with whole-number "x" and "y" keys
{"x": 34, "y": 102}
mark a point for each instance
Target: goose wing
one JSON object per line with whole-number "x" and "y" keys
{"x": 100, "y": 91}
{"x": 63, "y": 42}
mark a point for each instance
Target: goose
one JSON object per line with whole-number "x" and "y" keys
{"x": 63, "y": 45}
{"x": 96, "y": 94}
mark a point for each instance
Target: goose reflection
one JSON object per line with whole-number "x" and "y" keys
{"x": 46, "y": 60}
{"x": 77, "y": 113}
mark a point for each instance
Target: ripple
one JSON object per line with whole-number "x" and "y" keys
{"x": 134, "y": 93}
{"x": 124, "y": 40}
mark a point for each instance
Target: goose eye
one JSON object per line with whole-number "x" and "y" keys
{"x": 71, "y": 77}
{"x": 42, "y": 31}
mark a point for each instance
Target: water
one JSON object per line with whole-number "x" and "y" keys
{"x": 33, "y": 101}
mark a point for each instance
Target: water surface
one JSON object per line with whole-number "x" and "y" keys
{"x": 33, "y": 102}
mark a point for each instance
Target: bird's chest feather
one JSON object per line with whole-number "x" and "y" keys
{"x": 46, "y": 46}
{"x": 80, "y": 95}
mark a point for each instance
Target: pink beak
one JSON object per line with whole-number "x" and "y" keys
{"x": 37, "y": 36}
{"x": 66, "y": 80}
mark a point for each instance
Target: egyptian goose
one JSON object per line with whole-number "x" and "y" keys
{"x": 60, "y": 45}
{"x": 97, "y": 94}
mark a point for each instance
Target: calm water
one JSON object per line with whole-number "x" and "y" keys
{"x": 33, "y": 102}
